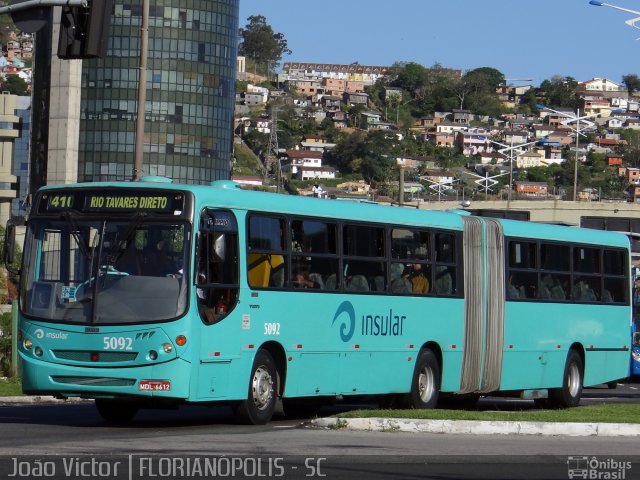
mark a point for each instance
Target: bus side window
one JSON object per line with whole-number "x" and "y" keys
{"x": 266, "y": 259}
{"x": 216, "y": 276}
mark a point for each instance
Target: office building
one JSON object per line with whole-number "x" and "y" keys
{"x": 192, "y": 53}
{"x": 85, "y": 111}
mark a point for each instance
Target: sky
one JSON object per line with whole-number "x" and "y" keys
{"x": 528, "y": 40}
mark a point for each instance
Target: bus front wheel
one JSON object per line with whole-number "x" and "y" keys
{"x": 425, "y": 384}
{"x": 116, "y": 411}
{"x": 569, "y": 394}
{"x": 258, "y": 408}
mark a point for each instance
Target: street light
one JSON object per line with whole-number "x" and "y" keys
{"x": 511, "y": 149}
{"x": 631, "y": 22}
{"x": 570, "y": 118}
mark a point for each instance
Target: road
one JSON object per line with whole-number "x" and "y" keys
{"x": 28, "y": 432}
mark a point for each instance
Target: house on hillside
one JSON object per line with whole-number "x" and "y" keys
{"x": 355, "y": 98}
{"x": 600, "y": 85}
{"x": 462, "y": 116}
{"x": 316, "y": 143}
{"x": 536, "y": 189}
{"x": 474, "y": 141}
{"x": 515, "y": 137}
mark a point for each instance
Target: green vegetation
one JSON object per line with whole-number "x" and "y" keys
{"x": 10, "y": 387}
{"x": 246, "y": 162}
{"x": 611, "y": 413}
{"x": 261, "y": 45}
{"x": 15, "y": 86}
{"x": 5, "y": 345}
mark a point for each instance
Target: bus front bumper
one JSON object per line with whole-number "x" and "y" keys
{"x": 166, "y": 380}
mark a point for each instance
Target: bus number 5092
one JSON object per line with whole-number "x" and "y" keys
{"x": 118, "y": 343}
{"x": 272, "y": 329}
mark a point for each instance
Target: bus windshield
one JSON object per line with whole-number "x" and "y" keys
{"x": 108, "y": 271}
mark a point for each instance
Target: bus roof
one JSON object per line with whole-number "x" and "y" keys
{"x": 227, "y": 194}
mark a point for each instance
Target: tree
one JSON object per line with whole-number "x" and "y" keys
{"x": 371, "y": 154}
{"x": 378, "y": 160}
{"x": 260, "y": 43}
{"x": 489, "y": 77}
{"x": 560, "y": 92}
{"x": 411, "y": 77}
{"x": 15, "y": 85}
{"x": 631, "y": 151}
{"x": 631, "y": 82}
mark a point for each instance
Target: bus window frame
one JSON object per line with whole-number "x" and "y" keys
{"x": 572, "y": 274}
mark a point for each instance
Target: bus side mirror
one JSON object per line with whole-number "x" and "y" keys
{"x": 10, "y": 247}
{"x": 219, "y": 248}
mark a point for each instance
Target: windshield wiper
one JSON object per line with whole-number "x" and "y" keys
{"x": 75, "y": 233}
{"x": 96, "y": 276}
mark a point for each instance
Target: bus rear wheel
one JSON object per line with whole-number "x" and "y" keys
{"x": 116, "y": 410}
{"x": 569, "y": 394}
{"x": 258, "y": 408}
{"x": 425, "y": 384}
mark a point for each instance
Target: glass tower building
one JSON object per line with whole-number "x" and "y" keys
{"x": 191, "y": 74}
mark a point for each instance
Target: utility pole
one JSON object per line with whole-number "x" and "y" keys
{"x": 142, "y": 92}
{"x": 272, "y": 156}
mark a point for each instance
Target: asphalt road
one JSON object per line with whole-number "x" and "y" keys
{"x": 288, "y": 449}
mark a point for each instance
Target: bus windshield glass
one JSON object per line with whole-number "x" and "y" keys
{"x": 107, "y": 271}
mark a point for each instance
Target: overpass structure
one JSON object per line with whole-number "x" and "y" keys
{"x": 547, "y": 211}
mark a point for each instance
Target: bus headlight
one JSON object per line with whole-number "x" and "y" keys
{"x": 167, "y": 347}
{"x": 27, "y": 344}
{"x": 636, "y": 355}
{"x": 37, "y": 351}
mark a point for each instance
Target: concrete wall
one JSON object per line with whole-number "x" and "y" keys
{"x": 554, "y": 211}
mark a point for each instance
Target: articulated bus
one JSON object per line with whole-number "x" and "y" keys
{"x": 153, "y": 294}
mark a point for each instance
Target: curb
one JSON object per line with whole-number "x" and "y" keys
{"x": 469, "y": 427}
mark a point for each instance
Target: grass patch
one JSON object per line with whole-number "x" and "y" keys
{"x": 10, "y": 387}
{"x": 612, "y": 413}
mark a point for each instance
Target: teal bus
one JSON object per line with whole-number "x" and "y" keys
{"x": 153, "y": 294}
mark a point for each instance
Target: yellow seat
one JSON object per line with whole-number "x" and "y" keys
{"x": 262, "y": 267}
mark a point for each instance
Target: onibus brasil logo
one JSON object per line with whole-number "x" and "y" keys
{"x": 594, "y": 468}
{"x": 385, "y": 324}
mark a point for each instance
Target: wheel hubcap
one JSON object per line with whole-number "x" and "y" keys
{"x": 574, "y": 380}
{"x": 262, "y": 388}
{"x": 425, "y": 384}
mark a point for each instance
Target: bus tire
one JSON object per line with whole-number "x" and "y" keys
{"x": 425, "y": 384}
{"x": 572, "y": 380}
{"x": 260, "y": 404}
{"x": 116, "y": 410}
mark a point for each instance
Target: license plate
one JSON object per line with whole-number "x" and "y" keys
{"x": 154, "y": 385}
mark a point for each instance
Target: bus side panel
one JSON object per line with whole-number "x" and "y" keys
{"x": 537, "y": 341}
{"x": 531, "y": 359}
{"x": 604, "y": 367}
{"x": 355, "y": 344}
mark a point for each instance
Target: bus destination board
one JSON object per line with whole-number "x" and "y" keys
{"x": 90, "y": 201}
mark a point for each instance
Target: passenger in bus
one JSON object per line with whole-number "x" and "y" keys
{"x": 415, "y": 274}
{"x": 419, "y": 281}
{"x": 301, "y": 278}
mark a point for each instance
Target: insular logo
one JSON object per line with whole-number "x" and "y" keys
{"x": 39, "y": 333}
{"x": 374, "y": 325}
{"x": 348, "y": 322}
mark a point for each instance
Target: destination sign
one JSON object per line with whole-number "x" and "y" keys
{"x": 90, "y": 201}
